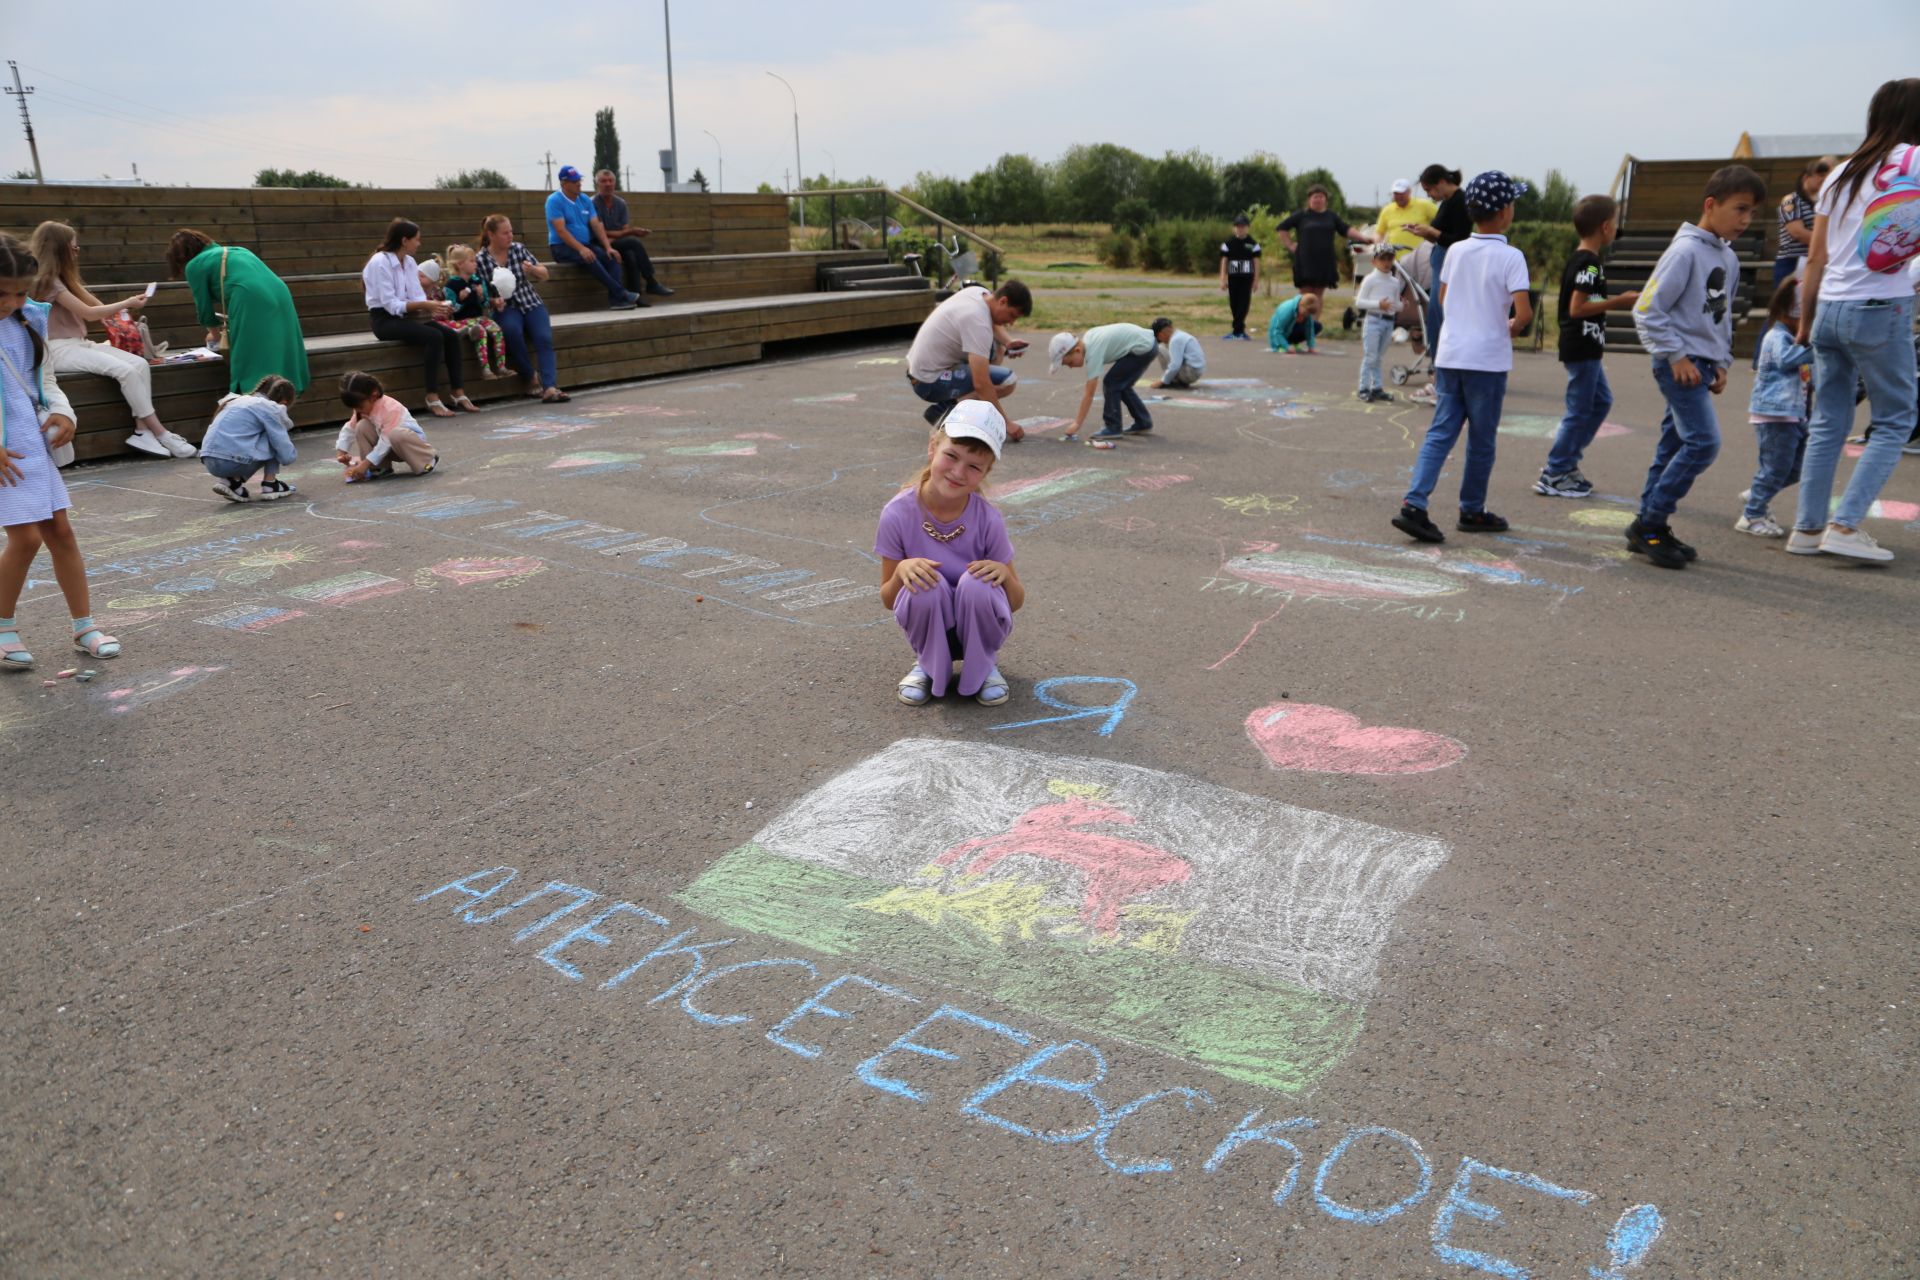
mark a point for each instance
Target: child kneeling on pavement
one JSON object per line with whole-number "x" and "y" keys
{"x": 379, "y": 433}
{"x": 251, "y": 433}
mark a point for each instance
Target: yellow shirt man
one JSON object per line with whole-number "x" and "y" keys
{"x": 1405, "y": 207}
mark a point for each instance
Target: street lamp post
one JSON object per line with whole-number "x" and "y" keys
{"x": 673, "y": 139}
{"x": 720, "y": 171}
{"x": 799, "y": 171}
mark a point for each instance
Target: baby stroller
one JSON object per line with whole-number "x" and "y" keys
{"x": 1411, "y": 266}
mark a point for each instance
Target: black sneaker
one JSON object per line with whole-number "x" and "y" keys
{"x": 1380, "y": 396}
{"x": 1481, "y": 522}
{"x": 658, "y": 290}
{"x": 1415, "y": 523}
{"x": 1673, "y": 540}
{"x": 1137, "y": 430}
{"x": 1657, "y": 543}
{"x": 935, "y": 414}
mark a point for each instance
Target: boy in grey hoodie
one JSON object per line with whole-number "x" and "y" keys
{"x": 1685, "y": 319}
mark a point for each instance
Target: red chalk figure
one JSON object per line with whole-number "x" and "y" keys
{"x": 1117, "y": 870}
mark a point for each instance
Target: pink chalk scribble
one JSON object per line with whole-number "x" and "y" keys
{"x": 152, "y": 688}
{"x": 1313, "y": 739}
{"x": 1164, "y": 480}
{"x": 758, "y": 435}
{"x": 1116, "y": 869}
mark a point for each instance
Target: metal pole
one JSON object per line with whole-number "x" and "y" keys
{"x": 798, "y": 169}
{"x": 673, "y": 139}
{"x": 21, "y": 91}
{"x": 720, "y": 181}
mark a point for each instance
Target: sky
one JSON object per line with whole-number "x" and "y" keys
{"x": 890, "y": 91}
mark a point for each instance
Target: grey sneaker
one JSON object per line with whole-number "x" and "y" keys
{"x": 1760, "y": 526}
{"x": 1804, "y": 542}
{"x": 1570, "y": 485}
{"x": 915, "y": 687}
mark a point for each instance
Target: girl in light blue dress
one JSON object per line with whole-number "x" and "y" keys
{"x": 35, "y": 419}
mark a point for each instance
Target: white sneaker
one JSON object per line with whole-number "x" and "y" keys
{"x": 146, "y": 443}
{"x": 1802, "y": 543}
{"x": 1745, "y": 494}
{"x": 1762, "y": 526}
{"x": 179, "y": 446}
{"x": 1857, "y": 545}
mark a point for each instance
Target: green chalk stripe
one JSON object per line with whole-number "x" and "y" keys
{"x": 1052, "y": 488}
{"x": 1260, "y": 1030}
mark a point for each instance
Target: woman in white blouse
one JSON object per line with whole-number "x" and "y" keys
{"x": 400, "y": 311}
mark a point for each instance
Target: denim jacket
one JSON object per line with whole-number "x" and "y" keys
{"x": 1777, "y": 389}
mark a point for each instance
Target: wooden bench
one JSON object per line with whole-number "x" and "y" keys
{"x": 739, "y": 288}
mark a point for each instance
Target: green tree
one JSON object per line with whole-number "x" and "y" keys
{"x": 700, "y": 178}
{"x": 949, "y": 197}
{"x": 1014, "y": 190}
{"x": 1133, "y": 215}
{"x": 1557, "y": 198}
{"x": 474, "y": 180}
{"x": 312, "y": 178}
{"x": 1529, "y": 207}
{"x": 606, "y": 142}
{"x": 1088, "y": 181}
{"x": 1260, "y": 179}
{"x": 1183, "y": 185}
{"x": 1336, "y": 199}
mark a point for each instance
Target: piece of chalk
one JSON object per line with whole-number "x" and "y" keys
{"x": 48, "y": 684}
{"x": 84, "y": 676}
{"x": 1103, "y": 444}
{"x": 69, "y": 673}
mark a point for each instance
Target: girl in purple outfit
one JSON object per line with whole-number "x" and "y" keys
{"x": 946, "y": 564}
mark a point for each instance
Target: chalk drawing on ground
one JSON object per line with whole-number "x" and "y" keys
{"x": 1189, "y": 402}
{"x": 1477, "y": 564}
{"x": 155, "y": 686}
{"x": 881, "y": 360}
{"x": 1050, "y": 485}
{"x": 1042, "y": 423}
{"x": 184, "y": 585}
{"x": 1602, "y": 517}
{"x": 1157, "y": 481}
{"x": 1308, "y": 571}
{"x": 717, "y": 449}
{"x": 1233, "y": 931}
{"x": 467, "y": 571}
{"x": 596, "y": 462}
{"x": 348, "y": 588}
{"x": 144, "y": 600}
{"x": 250, "y": 617}
{"x": 1259, "y": 504}
{"x": 1543, "y": 426}
{"x": 1313, "y": 739}
{"x": 757, "y": 435}
{"x": 842, "y": 397}
{"x": 544, "y": 429}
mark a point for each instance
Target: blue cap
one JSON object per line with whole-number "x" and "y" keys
{"x": 570, "y": 174}
{"x": 1493, "y": 191}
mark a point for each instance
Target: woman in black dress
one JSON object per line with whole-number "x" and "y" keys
{"x": 1315, "y": 268}
{"x": 1451, "y": 224}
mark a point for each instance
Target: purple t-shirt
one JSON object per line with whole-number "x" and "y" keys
{"x": 979, "y": 534}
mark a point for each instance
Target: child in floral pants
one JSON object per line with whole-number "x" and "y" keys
{"x": 470, "y": 293}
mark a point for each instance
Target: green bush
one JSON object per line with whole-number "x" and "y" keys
{"x": 912, "y": 242}
{"x": 1547, "y": 246}
{"x": 1132, "y": 216}
{"x": 1116, "y": 250}
{"x": 1153, "y": 246}
{"x": 1203, "y": 247}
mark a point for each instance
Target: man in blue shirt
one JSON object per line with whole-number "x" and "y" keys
{"x": 1179, "y": 355}
{"x": 574, "y": 234}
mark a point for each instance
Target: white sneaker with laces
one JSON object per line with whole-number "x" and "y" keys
{"x": 146, "y": 443}
{"x": 178, "y": 446}
{"x": 1804, "y": 543}
{"x": 1857, "y": 545}
{"x": 1762, "y": 526}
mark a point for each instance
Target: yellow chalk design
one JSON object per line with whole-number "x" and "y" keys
{"x": 1085, "y": 790}
{"x": 1007, "y": 909}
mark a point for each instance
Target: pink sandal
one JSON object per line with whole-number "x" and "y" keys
{"x": 96, "y": 643}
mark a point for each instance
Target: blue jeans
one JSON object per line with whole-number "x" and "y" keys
{"x": 1871, "y": 340}
{"x": 1117, "y": 389}
{"x": 238, "y": 468}
{"x": 1376, "y": 335}
{"x": 1588, "y": 399}
{"x": 1782, "y": 447}
{"x": 535, "y": 327}
{"x": 1472, "y": 396}
{"x": 1785, "y": 266}
{"x": 956, "y": 383}
{"x": 1432, "y": 334}
{"x": 602, "y": 266}
{"x": 1689, "y": 441}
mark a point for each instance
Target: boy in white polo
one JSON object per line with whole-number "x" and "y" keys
{"x": 1481, "y": 279}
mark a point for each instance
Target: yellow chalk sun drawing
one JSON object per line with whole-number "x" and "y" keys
{"x": 274, "y": 557}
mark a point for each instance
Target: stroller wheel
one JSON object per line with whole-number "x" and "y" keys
{"x": 1346, "y": 320}
{"x": 1399, "y": 375}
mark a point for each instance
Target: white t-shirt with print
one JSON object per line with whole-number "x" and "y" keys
{"x": 1481, "y": 274}
{"x": 1870, "y": 241}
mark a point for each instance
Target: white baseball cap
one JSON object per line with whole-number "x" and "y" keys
{"x": 976, "y": 420}
{"x": 1401, "y": 186}
{"x": 1057, "y": 347}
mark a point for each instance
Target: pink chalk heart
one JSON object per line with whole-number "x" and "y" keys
{"x": 1296, "y": 735}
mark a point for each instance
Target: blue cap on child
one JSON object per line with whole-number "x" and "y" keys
{"x": 1492, "y": 191}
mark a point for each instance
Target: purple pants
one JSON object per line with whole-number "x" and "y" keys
{"x": 971, "y": 616}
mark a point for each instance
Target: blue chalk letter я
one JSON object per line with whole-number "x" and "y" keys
{"x": 868, "y": 1074}
{"x": 1113, "y": 711}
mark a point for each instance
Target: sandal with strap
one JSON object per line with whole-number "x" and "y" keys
{"x": 96, "y": 643}
{"x": 465, "y": 405}
{"x": 14, "y": 656}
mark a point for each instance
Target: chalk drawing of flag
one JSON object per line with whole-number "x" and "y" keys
{"x": 1235, "y": 931}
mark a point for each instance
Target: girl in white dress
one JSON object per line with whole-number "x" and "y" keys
{"x": 35, "y": 419}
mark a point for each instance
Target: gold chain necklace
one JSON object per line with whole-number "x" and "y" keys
{"x": 938, "y": 536}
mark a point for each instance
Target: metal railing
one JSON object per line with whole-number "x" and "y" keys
{"x": 884, "y": 198}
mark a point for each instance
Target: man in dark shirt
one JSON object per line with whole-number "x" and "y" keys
{"x": 626, "y": 238}
{"x": 1239, "y": 272}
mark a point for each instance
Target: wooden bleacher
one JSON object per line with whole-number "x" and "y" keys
{"x": 1659, "y": 195}
{"x": 739, "y": 287}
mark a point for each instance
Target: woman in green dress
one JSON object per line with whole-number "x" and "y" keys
{"x": 263, "y": 331}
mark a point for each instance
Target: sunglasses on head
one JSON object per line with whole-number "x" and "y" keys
{"x": 1822, "y": 168}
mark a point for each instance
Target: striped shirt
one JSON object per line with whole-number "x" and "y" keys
{"x": 1800, "y": 210}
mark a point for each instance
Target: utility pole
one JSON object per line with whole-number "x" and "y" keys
{"x": 549, "y": 164}
{"x": 720, "y": 181}
{"x": 21, "y": 91}
{"x": 629, "y": 177}
{"x": 673, "y": 137}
